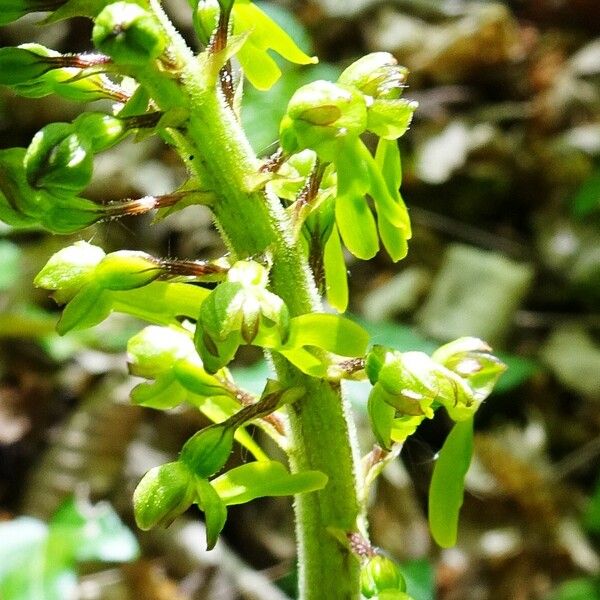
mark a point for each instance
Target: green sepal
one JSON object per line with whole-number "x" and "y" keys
{"x": 194, "y": 378}
{"x": 381, "y": 417}
{"x": 390, "y": 119}
{"x": 164, "y": 393}
{"x": 90, "y": 306}
{"x": 164, "y": 493}
{"x": 160, "y": 302}
{"x": 129, "y": 34}
{"x": 58, "y": 160}
{"x": 207, "y": 451}
{"x": 392, "y": 595}
{"x": 447, "y": 483}
{"x": 69, "y": 269}
{"x": 327, "y": 331}
{"x": 215, "y": 511}
{"x": 264, "y": 35}
{"x": 265, "y": 478}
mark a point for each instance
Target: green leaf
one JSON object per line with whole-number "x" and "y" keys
{"x": 447, "y": 483}
{"x": 265, "y": 478}
{"x": 215, "y": 511}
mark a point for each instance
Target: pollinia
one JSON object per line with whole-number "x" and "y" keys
{"x": 286, "y": 221}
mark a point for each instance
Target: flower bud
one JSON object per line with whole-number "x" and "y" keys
{"x": 69, "y": 270}
{"x": 14, "y": 189}
{"x": 58, "y": 160}
{"x": 101, "y": 131}
{"x": 163, "y": 494}
{"x": 471, "y": 359}
{"x": 128, "y": 34}
{"x": 67, "y": 214}
{"x": 206, "y": 452}
{"x": 155, "y": 349}
{"x": 377, "y": 75}
{"x": 380, "y": 574}
{"x": 321, "y": 113}
{"x": 127, "y": 270}
{"x": 18, "y": 66}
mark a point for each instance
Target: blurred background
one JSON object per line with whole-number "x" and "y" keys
{"x": 502, "y": 178}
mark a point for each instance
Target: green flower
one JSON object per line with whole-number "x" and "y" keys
{"x": 261, "y": 35}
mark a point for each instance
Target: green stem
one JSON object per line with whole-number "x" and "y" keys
{"x": 321, "y": 428}
{"x": 253, "y": 222}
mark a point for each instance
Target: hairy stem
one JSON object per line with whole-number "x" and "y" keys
{"x": 253, "y": 222}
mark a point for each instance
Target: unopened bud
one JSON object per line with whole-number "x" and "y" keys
{"x": 127, "y": 270}
{"x": 69, "y": 270}
{"x": 58, "y": 160}
{"x": 155, "y": 349}
{"x": 163, "y": 494}
{"x": 206, "y": 452}
{"x": 380, "y": 574}
{"x": 128, "y": 34}
{"x": 377, "y": 74}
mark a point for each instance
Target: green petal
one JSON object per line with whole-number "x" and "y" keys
{"x": 260, "y": 69}
{"x": 336, "y": 274}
